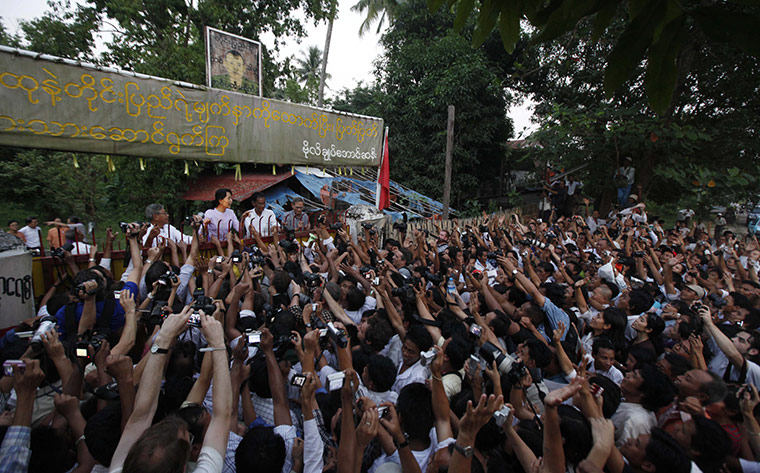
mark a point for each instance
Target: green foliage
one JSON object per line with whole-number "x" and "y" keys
{"x": 7, "y": 39}
{"x": 709, "y": 124}
{"x": 701, "y": 188}
{"x": 424, "y": 69}
{"x": 377, "y": 11}
{"x": 64, "y": 32}
{"x": 655, "y": 32}
{"x": 48, "y": 183}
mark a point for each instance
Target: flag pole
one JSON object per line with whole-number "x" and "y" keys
{"x": 383, "y": 157}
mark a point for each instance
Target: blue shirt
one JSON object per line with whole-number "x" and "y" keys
{"x": 553, "y": 315}
{"x": 117, "y": 319}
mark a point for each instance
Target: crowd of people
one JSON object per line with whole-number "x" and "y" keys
{"x": 577, "y": 344}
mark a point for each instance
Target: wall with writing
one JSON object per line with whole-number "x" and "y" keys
{"x": 58, "y": 104}
{"x": 16, "y": 291}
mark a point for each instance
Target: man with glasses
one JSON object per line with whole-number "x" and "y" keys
{"x": 296, "y": 219}
{"x": 160, "y": 228}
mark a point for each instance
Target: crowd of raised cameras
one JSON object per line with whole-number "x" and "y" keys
{"x": 570, "y": 344}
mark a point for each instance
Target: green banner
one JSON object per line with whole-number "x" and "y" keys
{"x": 58, "y": 104}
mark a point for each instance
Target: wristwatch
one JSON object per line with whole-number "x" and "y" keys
{"x": 514, "y": 272}
{"x": 465, "y": 451}
{"x": 403, "y": 444}
{"x": 156, "y": 350}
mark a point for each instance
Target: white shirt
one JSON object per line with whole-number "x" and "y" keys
{"x": 613, "y": 373}
{"x": 423, "y": 457}
{"x": 356, "y": 315}
{"x": 32, "y": 236}
{"x": 261, "y": 223}
{"x": 80, "y": 248}
{"x": 632, "y": 420}
{"x": 168, "y": 232}
{"x": 414, "y": 374}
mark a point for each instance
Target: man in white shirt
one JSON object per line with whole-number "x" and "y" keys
{"x": 603, "y": 359}
{"x": 31, "y": 232}
{"x": 159, "y": 219}
{"x": 260, "y": 218}
{"x": 74, "y": 238}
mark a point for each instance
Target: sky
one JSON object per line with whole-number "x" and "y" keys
{"x": 350, "y": 57}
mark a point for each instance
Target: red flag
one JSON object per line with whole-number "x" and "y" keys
{"x": 383, "y": 193}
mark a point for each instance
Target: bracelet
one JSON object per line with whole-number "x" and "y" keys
{"x": 438, "y": 378}
{"x": 92, "y": 260}
{"x": 212, "y": 349}
{"x": 150, "y": 295}
{"x": 147, "y": 261}
{"x": 210, "y": 271}
{"x": 756, "y": 434}
{"x": 76, "y": 444}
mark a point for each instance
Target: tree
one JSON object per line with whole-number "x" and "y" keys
{"x": 655, "y": 30}
{"x": 709, "y": 128}
{"x": 64, "y": 33}
{"x": 8, "y": 39}
{"x": 326, "y": 52}
{"x": 425, "y": 68}
{"x": 377, "y": 11}
{"x": 309, "y": 65}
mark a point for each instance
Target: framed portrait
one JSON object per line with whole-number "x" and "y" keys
{"x": 233, "y": 62}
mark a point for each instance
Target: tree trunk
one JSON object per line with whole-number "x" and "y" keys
{"x": 325, "y": 52}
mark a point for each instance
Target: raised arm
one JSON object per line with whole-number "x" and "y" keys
{"x": 526, "y": 283}
{"x": 724, "y": 343}
{"x": 218, "y": 430}
{"x": 146, "y": 400}
{"x": 276, "y": 382}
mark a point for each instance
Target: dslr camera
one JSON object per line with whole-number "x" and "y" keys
{"x": 168, "y": 278}
{"x": 201, "y": 303}
{"x": 95, "y": 340}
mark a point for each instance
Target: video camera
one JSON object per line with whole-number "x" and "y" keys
{"x": 124, "y": 226}
{"x": 330, "y": 332}
{"x": 46, "y": 323}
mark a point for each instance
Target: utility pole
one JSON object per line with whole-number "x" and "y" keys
{"x": 449, "y": 152}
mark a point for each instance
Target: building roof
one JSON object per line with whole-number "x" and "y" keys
{"x": 251, "y": 182}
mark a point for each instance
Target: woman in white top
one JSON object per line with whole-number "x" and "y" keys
{"x": 221, "y": 219}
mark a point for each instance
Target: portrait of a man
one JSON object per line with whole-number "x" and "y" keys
{"x": 233, "y": 62}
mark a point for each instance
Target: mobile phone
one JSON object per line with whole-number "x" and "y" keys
{"x": 82, "y": 353}
{"x": 476, "y": 330}
{"x": 117, "y": 295}
{"x": 382, "y": 412}
{"x": 474, "y": 363}
{"x": 219, "y": 259}
{"x": 376, "y": 281}
{"x": 298, "y": 380}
